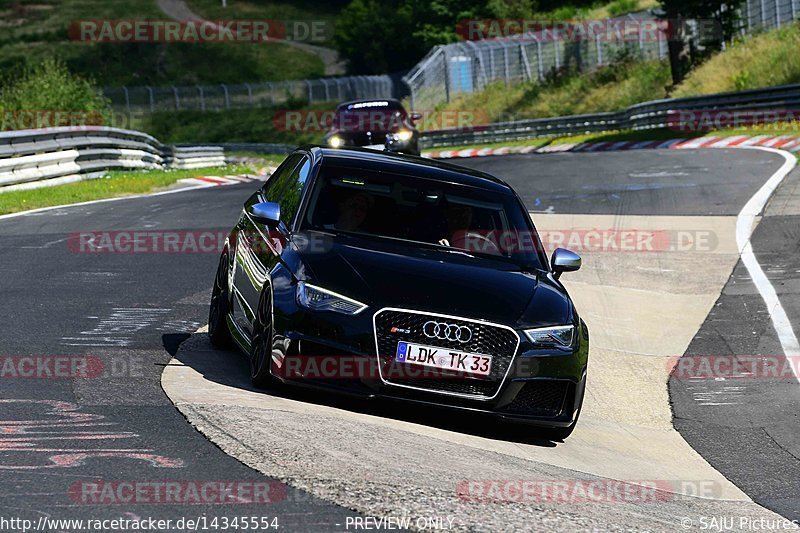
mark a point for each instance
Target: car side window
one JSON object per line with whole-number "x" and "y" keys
{"x": 286, "y": 188}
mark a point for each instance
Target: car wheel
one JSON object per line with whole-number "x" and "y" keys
{"x": 261, "y": 345}
{"x": 218, "y": 331}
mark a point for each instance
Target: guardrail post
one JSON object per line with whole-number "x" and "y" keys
{"x": 202, "y": 98}
{"x": 599, "y": 50}
{"x": 777, "y": 14}
{"x": 555, "y": 47}
{"x": 249, "y": 94}
{"x": 446, "y": 79}
{"x": 327, "y": 90}
{"x": 749, "y": 15}
{"x": 127, "y": 99}
{"x": 506, "y": 71}
{"x": 310, "y": 93}
{"x": 339, "y": 82}
{"x": 539, "y": 58}
{"x": 152, "y": 100}
{"x": 177, "y": 98}
{"x": 524, "y": 57}
{"x": 227, "y": 96}
{"x": 641, "y": 42}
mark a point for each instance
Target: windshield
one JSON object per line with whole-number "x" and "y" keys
{"x": 420, "y": 211}
{"x": 370, "y": 116}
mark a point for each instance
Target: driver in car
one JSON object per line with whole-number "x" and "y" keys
{"x": 459, "y": 218}
{"x": 352, "y": 212}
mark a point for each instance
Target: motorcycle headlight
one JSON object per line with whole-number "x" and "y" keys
{"x": 336, "y": 141}
{"x": 319, "y": 299}
{"x": 555, "y": 336}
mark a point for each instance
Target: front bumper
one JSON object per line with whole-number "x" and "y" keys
{"x": 539, "y": 388}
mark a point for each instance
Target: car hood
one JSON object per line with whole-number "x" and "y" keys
{"x": 384, "y": 274}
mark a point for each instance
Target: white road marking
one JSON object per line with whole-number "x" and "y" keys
{"x": 744, "y": 230}
{"x": 118, "y": 328}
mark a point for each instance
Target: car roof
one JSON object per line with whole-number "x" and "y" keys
{"x": 392, "y": 101}
{"x": 407, "y": 164}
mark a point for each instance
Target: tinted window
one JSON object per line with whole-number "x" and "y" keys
{"x": 457, "y": 217}
{"x": 286, "y": 187}
{"x": 370, "y": 116}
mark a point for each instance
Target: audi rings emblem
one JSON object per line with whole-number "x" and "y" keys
{"x": 446, "y": 332}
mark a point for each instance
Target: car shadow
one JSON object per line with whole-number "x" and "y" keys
{"x": 231, "y": 368}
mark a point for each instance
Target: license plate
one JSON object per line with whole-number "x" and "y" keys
{"x": 376, "y": 147}
{"x": 444, "y": 358}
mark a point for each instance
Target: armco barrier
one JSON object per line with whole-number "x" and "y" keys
{"x": 31, "y": 158}
{"x": 644, "y": 116}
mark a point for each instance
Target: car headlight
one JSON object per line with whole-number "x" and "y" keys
{"x": 555, "y": 336}
{"x": 319, "y": 299}
{"x": 403, "y": 135}
{"x": 336, "y": 141}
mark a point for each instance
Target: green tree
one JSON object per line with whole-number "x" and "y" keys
{"x": 377, "y": 36}
{"x": 717, "y": 22}
{"x": 49, "y": 87}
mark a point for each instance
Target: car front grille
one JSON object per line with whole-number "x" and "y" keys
{"x": 539, "y": 398}
{"x": 490, "y": 339}
{"x": 364, "y": 139}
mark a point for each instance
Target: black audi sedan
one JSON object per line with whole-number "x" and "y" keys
{"x": 382, "y": 125}
{"x": 394, "y": 276}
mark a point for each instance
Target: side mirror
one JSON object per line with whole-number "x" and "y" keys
{"x": 267, "y": 213}
{"x": 415, "y": 116}
{"x": 564, "y": 261}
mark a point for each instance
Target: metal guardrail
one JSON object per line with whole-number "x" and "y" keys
{"x": 644, "y": 116}
{"x": 146, "y": 99}
{"x": 33, "y": 158}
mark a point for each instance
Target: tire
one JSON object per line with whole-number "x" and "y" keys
{"x": 261, "y": 345}
{"x": 218, "y": 331}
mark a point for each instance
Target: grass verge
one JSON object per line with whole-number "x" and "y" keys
{"x": 260, "y": 125}
{"x": 611, "y": 88}
{"x": 763, "y": 60}
{"x": 295, "y": 16}
{"x": 32, "y": 31}
{"x": 116, "y": 184}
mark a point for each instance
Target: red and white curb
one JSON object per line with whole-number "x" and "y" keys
{"x": 221, "y": 181}
{"x": 783, "y": 142}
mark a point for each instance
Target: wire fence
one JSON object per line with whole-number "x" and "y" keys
{"x": 248, "y": 95}
{"x": 768, "y": 14}
{"x": 448, "y": 71}
{"x": 469, "y": 66}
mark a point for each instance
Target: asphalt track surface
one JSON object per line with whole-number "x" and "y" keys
{"x": 131, "y": 311}
{"x": 747, "y": 428}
